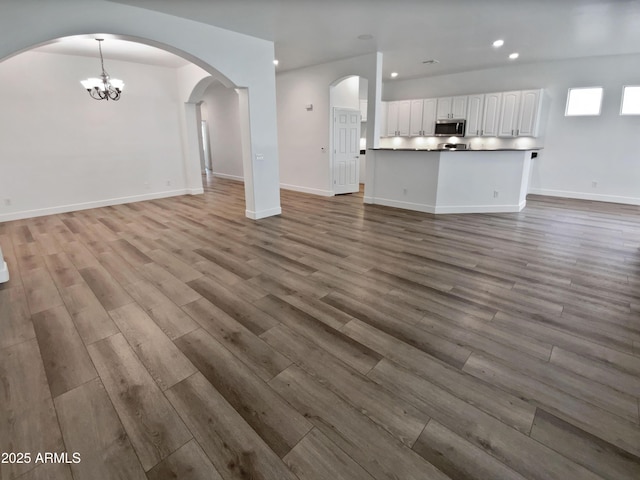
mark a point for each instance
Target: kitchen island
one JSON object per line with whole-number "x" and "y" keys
{"x": 449, "y": 181}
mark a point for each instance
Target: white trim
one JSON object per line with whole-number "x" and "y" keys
{"x": 586, "y": 196}
{"x": 6, "y": 217}
{"x": 418, "y": 207}
{"x": 481, "y": 208}
{"x": 312, "y": 191}
{"x": 195, "y": 191}
{"x": 4, "y": 272}
{"x": 236, "y": 178}
{"x": 263, "y": 214}
{"x": 421, "y": 207}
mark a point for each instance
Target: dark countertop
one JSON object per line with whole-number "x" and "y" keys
{"x": 456, "y": 150}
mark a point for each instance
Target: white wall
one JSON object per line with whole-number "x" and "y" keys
{"x": 577, "y": 150}
{"x": 61, "y": 150}
{"x": 304, "y": 135}
{"x": 221, "y": 109}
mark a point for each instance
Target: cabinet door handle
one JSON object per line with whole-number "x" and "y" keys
{"x": 481, "y": 132}
{"x": 517, "y": 132}
{"x": 512, "y": 133}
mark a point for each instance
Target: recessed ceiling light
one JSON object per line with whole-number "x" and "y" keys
{"x": 514, "y": 55}
{"x": 498, "y": 43}
{"x": 394, "y": 74}
{"x": 276, "y": 62}
{"x": 430, "y": 62}
{"x": 365, "y": 36}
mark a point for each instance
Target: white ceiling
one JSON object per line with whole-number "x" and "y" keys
{"x": 458, "y": 33}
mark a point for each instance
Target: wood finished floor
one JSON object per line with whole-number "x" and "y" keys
{"x": 177, "y": 339}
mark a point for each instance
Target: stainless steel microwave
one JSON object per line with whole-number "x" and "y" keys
{"x": 450, "y": 128}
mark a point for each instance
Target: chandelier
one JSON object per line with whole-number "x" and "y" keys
{"x": 105, "y": 87}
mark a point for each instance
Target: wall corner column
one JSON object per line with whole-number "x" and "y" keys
{"x": 193, "y": 172}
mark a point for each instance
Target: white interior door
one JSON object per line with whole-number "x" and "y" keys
{"x": 346, "y": 150}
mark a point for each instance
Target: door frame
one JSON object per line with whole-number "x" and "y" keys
{"x": 332, "y": 153}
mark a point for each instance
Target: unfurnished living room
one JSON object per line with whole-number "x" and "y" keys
{"x": 344, "y": 240}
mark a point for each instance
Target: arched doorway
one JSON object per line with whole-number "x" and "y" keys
{"x": 212, "y": 49}
{"x": 347, "y": 133}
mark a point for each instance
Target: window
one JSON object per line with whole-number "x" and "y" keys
{"x": 584, "y": 101}
{"x": 630, "y": 101}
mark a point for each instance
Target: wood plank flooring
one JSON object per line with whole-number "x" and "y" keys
{"x": 177, "y": 339}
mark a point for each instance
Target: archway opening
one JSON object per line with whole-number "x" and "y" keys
{"x": 71, "y": 152}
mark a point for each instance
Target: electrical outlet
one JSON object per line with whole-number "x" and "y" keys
{"x": 7, "y": 202}
{"x": 495, "y": 194}
{"x": 594, "y": 184}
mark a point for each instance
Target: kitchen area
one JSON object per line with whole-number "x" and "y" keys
{"x": 457, "y": 154}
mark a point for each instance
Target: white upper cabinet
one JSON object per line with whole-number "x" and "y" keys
{"x": 501, "y": 114}
{"x": 429, "y": 106}
{"x": 520, "y": 113}
{"x": 452, "y": 107}
{"x": 491, "y": 115}
{"x": 509, "y": 114}
{"x": 529, "y": 113}
{"x": 423, "y": 117}
{"x": 404, "y": 118}
{"x": 398, "y": 118}
{"x": 475, "y": 107}
{"x": 391, "y": 129}
{"x": 459, "y": 106}
{"x": 416, "y": 118}
{"x": 483, "y": 115}
{"x": 444, "y": 108}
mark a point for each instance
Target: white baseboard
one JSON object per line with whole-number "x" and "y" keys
{"x": 6, "y": 217}
{"x": 481, "y": 208}
{"x": 444, "y": 209}
{"x": 263, "y": 213}
{"x": 195, "y": 191}
{"x": 312, "y": 191}
{"x": 586, "y": 196}
{"x": 417, "y": 207}
{"x": 228, "y": 177}
{"x": 4, "y": 272}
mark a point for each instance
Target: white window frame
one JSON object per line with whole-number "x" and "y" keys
{"x": 566, "y": 110}
{"x": 624, "y": 89}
